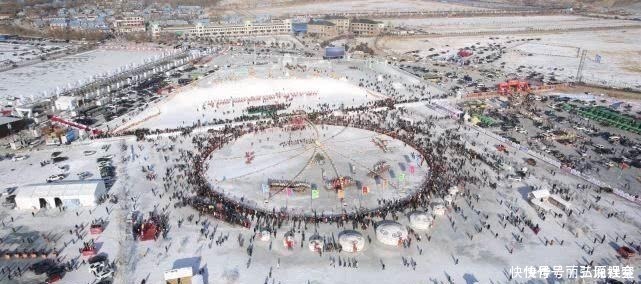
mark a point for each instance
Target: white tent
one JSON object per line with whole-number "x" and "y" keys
{"x": 264, "y": 235}
{"x": 315, "y": 243}
{"x": 453, "y": 190}
{"x": 390, "y": 232}
{"x": 438, "y": 207}
{"x": 420, "y": 220}
{"x": 55, "y": 194}
{"x": 351, "y": 241}
{"x": 288, "y": 240}
{"x": 66, "y": 103}
{"x": 182, "y": 275}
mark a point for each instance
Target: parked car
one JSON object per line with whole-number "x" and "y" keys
{"x": 54, "y": 178}
{"x": 19, "y": 157}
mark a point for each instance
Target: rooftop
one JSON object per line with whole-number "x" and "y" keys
{"x": 62, "y": 188}
{"x": 320, "y": 22}
{"x": 364, "y": 21}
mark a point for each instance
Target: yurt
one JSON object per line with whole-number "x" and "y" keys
{"x": 453, "y": 190}
{"x": 315, "y": 243}
{"x": 351, "y": 241}
{"x": 390, "y": 232}
{"x": 288, "y": 241}
{"x": 420, "y": 220}
{"x": 439, "y": 208}
{"x": 264, "y": 235}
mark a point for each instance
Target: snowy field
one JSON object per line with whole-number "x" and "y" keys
{"x": 483, "y": 258}
{"x": 339, "y": 6}
{"x": 34, "y": 80}
{"x": 230, "y": 174}
{"x": 510, "y": 23}
{"x": 452, "y": 250}
{"x": 445, "y": 250}
{"x": 548, "y": 49}
{"x": 212, "y": 99}
{"x": 619, "y": 65}
{"x": 619, "y": 51}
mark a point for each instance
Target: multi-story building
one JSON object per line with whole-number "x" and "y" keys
{"x": 202, "y": 30}
{"x": 342, "y": 23}
{"x": 129, "y": 25}
{"x": 322, "y": 28}
{"x": 366, "y": 27}
{"x": 334, "y": 26}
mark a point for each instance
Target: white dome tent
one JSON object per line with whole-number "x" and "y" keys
{"x": 420, "y": 220}
{"x": 288, "y": 240}
{"x": 264, "y": 235}
{"x": 439, "y": 208}
{"x": 351, "y": 241}
{"x": 453, "y": 190}
{"x": 315, "y": 243}
{"x": 390, "y": 232}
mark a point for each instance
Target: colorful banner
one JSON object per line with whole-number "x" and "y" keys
{"x": 365, "y": 190}
{"x": 315, "y": 193}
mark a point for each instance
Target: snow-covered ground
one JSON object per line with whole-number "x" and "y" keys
{"x": 618, "y": 50}
{"x": 213, "y": 99}
{"x": 256, "y": 8}
{"x": 34, "y": 80}
{"x": 498, "y": 24}
{"x": 453, "y": 249}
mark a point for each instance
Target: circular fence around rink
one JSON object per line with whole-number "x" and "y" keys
{"x": 233, "y": 210}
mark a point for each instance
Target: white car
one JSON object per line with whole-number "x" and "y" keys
{"x": 107, "y": 273}
{"x": 19, "y": 157}
{"x": 97, "y": 267}
{"x": 84, "y": 175}
{"x": 101, "y": 270}
{"x": 104, "y": 164}
{"x": 56, "y": 178}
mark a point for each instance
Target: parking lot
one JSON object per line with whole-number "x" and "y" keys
{"x": 603, "y": 151}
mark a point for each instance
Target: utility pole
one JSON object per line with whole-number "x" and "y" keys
{"x": 579, "y": 73}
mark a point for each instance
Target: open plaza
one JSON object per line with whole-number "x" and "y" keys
{"x": 507, "y": 153}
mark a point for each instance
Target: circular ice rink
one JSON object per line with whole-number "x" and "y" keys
{"x": 322, "y": 169}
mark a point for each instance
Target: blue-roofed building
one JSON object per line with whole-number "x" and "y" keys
{"x": 299, "y": 28}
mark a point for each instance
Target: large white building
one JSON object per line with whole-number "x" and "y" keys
{"x": 129, "y": 25}
{"x": 200, "y": 30}
{"x": 66, "y": 103}
{"x": 65, "y": 193}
